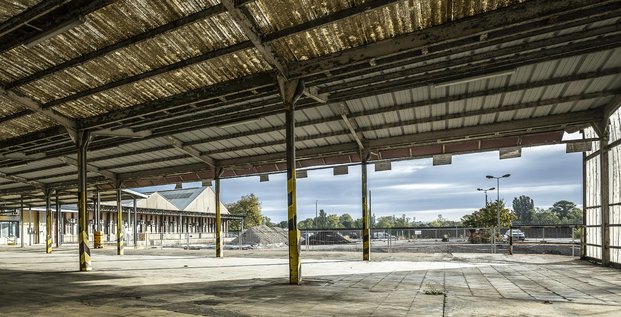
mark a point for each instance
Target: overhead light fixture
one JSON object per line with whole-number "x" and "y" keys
{"x": 442, "y": 159}
{"x": 511, "y": 152}
{"x": 56, "y": 30}
{"x": 383, "y": 166}
{"x": 578, "y": 146}
{"x": 341, "y": 170}
{"x": 238, "y": 123}
{"x": 264, "y": 178}
{"x": 475, "y": 78}
{"x": 301, "y": 174}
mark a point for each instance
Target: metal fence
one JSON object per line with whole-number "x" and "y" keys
{"x": 561, "y": 240}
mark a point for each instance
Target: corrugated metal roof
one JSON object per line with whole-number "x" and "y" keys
{"x": 205, "y": 93}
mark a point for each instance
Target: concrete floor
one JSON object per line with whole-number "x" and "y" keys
{"x": 254, "y": 283}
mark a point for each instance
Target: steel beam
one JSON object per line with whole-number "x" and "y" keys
{"x": 178, "y": 144}
{"x": 34, "y": 106}
{"x": 290, "y": 92}
{"x": 250, "y": 30}
{"x": 219, "y": 247}
{"x": 90, "y": 168}
{"x": 83, "y": 140}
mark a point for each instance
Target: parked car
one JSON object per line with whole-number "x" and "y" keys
{"x": 516, "y": 233}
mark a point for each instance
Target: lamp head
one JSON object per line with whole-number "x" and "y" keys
{"x": 492, "y": 188}
{"x": 480, "y": 189}
{"x": 490, "y": 176}
{"x": 506, "y": 175}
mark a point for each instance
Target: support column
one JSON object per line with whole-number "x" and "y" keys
{"x": 583, "y": 231}
{"x": 366, "y": 232}
{"x": 218, "y": 173}
{"x": 59, "y": 223}
{"x": 21, "y": 220}
{"x": 119, "y": 221}
{"x": 604, "y": 176}
{"x": 135, "y": 225}
{"x": 83, "y": 140}
{"x": 290, "y": 91}
{"x": 48, "y": 221}
{"x": 98, "y": 212}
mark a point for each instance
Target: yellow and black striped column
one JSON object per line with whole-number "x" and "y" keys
{"x": 366, "y": 232}
{"x": 120, "y": 244}
{"x": 83, "y": 140}
{"x": 48, "y": 222}
{"x": 219, "y": 253}
{"x": 290, "y": 91}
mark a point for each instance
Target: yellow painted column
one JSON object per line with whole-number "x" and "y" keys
{"x": 366, "y": 232}
{"x": 48, "y": 222}
{"x": 85, "y": 252}
{"x": 290, "y": 91}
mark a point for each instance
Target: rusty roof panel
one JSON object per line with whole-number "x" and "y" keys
{"x": 103, "y": 27}
{"x": 192, "y": 77}
{"x": 371, "y": 26}
{"x": 24, "y": 125}
{"x": 11, "y": 8}
{"x": 168, "y": 48}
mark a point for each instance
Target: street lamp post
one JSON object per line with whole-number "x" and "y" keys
{"x": 498, "y": 193}
{"x": 485, "y": 190}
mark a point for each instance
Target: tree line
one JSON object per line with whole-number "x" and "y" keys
{"x": 524, "y": 213}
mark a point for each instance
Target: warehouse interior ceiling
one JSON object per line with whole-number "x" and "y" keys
{"x": 170, "y": 90}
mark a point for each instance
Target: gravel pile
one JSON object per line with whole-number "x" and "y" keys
{"x": 264, "y": 236}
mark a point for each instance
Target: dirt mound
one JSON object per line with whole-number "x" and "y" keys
{"x": 263, "y": 235}
{"x": 327, "y": 237}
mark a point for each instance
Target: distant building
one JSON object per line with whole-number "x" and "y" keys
{"x": 172, "y": 211}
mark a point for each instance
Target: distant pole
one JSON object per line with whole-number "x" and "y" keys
{"x": 485, "y": 191}
{"x": 498, "y": 194}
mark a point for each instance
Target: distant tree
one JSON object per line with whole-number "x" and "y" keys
{"x": 268, "y": 222}
{"x": 439, "y": 222}
{"x": 248, "y": 206}
{"x": 283, "y": 224}
{"x": 358, "y": 223}
{"x": 346, "y": 221}
{"x": 308, "y": 223}
{"x": 333, "y": 222}
{"x": 385, "y": 222}
{"x": 524, "y": 208}
{"x": 545, "y": 217}
{"x": 562, "y": 208}
{"x": 574, "y": 216}
{"x": 322, "y": 220}
{"x": 487, "y": 216}
{"x": 403, "y": 221}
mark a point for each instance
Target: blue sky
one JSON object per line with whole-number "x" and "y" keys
{"x": 417, "y": 189}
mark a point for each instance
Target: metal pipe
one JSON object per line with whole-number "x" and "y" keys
{"x": 83, "y": 139}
